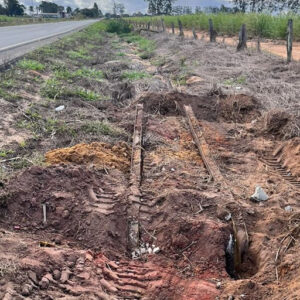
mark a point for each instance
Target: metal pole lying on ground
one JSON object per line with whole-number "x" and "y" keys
{"x": 290, "y": 41}
{"x": 242, "y": 39}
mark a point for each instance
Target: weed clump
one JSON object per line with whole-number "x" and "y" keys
{"x": 118, "y": 26}
{"x": 29, "y": 64}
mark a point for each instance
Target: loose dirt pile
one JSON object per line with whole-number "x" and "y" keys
{"x": 281, "y": 124}
{"x": 98, "y": 154}
{"x": 239, "y": 108}
{"x": 83, "y": 205}
{"x": 290, "y": 156}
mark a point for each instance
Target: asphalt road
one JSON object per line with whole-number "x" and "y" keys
{"x": 18, "y": 40}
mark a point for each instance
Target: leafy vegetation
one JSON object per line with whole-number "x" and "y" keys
{"x": 118, "y": 26}
{"x": 134, "y": 75}
{"x": 29, "y": 64}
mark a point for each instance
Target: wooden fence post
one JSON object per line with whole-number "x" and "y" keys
{"x": 242, "y": 39}
{"x": 173, "y": 28}
{"x": 148, "y": 26}
{"x": 258, "y": 44}
{"x": 212, "y": 32}
{"x": 181, "y": 33}
{"x": 289, "y": 44}
{"x": 195, "y": 34}
{"x": 163, "y": 25}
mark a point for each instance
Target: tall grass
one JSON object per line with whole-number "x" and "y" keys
{"x": 265, "y": 25}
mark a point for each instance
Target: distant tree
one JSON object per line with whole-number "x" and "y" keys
{"x": 76, "y": 11}
{"x": 48, "y": 7}
{"x": 69, "y": 10}
{"x": 14, "y": 8}
{"x": 2, "y": 10}
{"x": 159, "y": 7}
{"x": 60, "y": 9}
{"x": 198, "y": 9}
{"x": 118, "y": 9}
{"x": 31, "y": 8}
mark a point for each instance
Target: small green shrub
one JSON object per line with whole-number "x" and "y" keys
{"x": 118, "y": 26}
{"x": 28, "y": 64}
{"x": 134, "y": 75}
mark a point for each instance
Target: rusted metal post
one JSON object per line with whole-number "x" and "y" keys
{"x": 181, "y": 33}
{"x": 212, "y": 32}
{"x": 242, "y": 45}
{"x": 289, "y": 44}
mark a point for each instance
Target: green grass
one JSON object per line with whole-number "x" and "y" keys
{"x": 145, "y": 47}
{"x": 79, "y": 54}
{"x": 134, "y": 75}
{"x": 29, "y": 64}
{"x": 98, "y": 127}
{"x": 265, "y": 25}
{"x": 88, "y": 95}
{"x": 235, "y": 81}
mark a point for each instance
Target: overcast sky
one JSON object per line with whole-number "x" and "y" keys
{"x": 131, "y": 5}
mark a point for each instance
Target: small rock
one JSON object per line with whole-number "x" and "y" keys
{"x": 65, "y": 213}
{"x": 194, "y": 79}
{"x": 218, "y": 285}
{"x": 44, "y": 283}
{"x": 56, "y": 274}
{"x": 156, "y": 250}
{"x": 26, "y": 290}
{"x": 60, "y": 108}
{"x": 84, "y": 276}
{"x": 259, "y": 195}
{"x": 32, "y": 276}
{"x": 49, "y": 277}
{"x": 228, "y": 217}
{"x": 65, "y": 275}
{"x": 89, "y": 256}
{"x": 172, "y": 170}
{"x": 58, "y": 240}
{"x": 230, "y": 298}
{"x": 288, "y": 208}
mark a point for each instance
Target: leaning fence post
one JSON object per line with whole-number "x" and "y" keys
{"x": 289, "y": 44}
{"x": 173, "y": 28}
{"x": 212, "y": 32}
{"x": 148, "y": 26}
{"x": 181, "y": 33}
{"x": 195, "y": 34}
{"x": 242, "y": 39}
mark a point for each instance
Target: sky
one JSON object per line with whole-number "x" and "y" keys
{"x": 131, "y": 5}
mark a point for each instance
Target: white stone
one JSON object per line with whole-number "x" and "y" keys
{"x": 259, "y": 195}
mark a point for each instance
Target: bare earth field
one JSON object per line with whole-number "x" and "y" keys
{"x": 127, "y": 164}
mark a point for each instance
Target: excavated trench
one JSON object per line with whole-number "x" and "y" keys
{"x": 150, "y": 208}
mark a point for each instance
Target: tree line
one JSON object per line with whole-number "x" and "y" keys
{"x": 167, "y": 7}
{"x": 14, "y": 8}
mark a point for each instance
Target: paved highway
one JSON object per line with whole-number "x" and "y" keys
{"x": 18, "y": 40}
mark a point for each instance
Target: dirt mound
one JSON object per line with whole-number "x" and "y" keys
{"x": 171, "y": 104}
{"x": 281, "y": 124}
{"x": 99, "y": 154}
{"x": 83, "y": 205}
{"x": 239, "y": 108}
{"x": 160, "y": 104}
{"x": 290, "y": 156}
